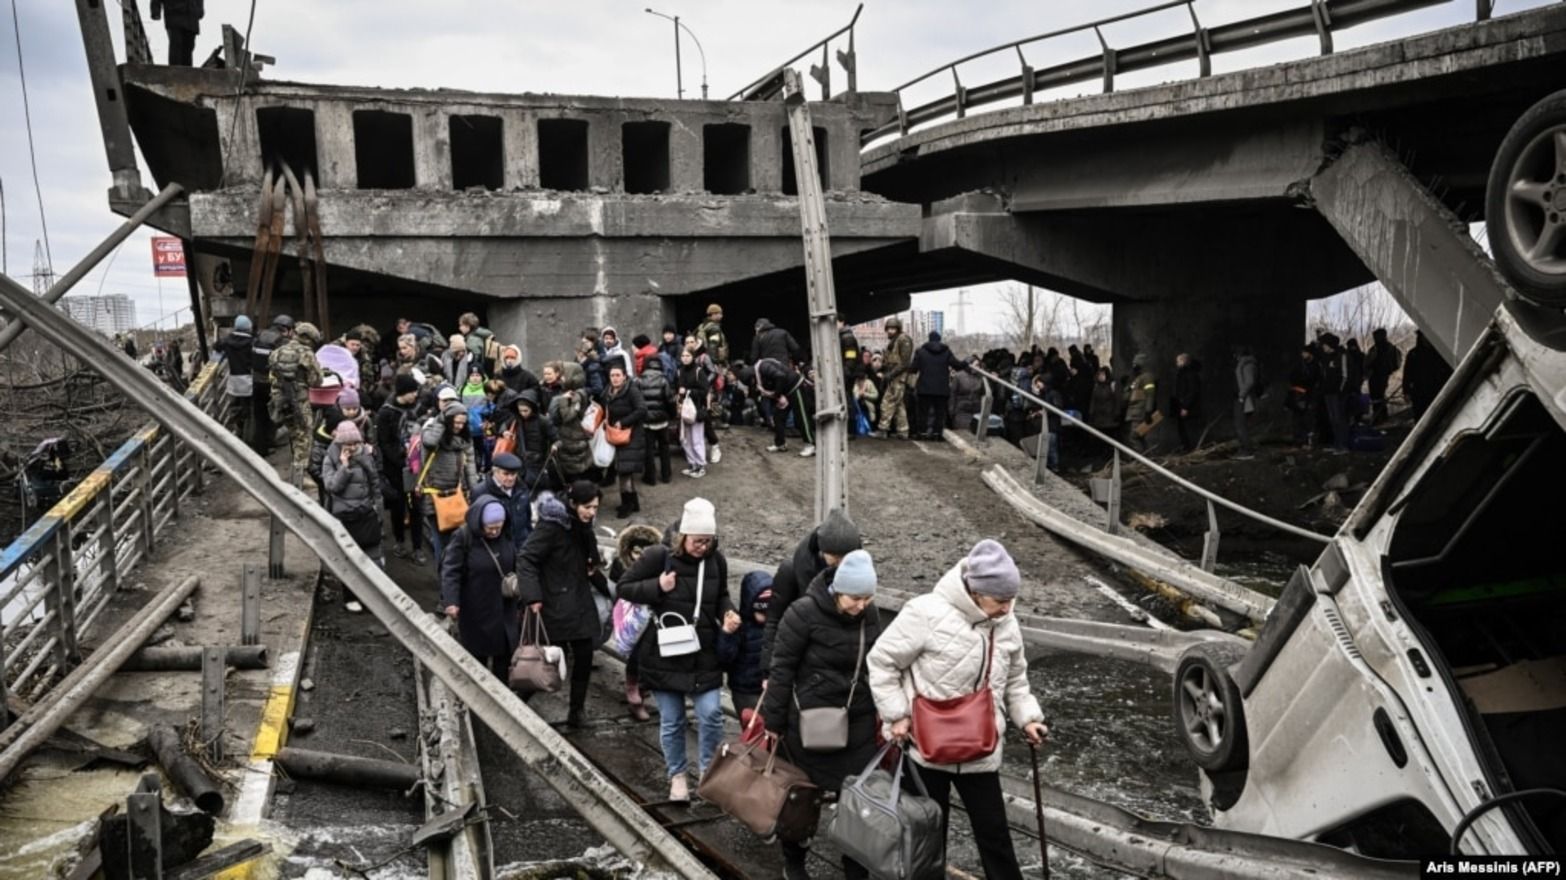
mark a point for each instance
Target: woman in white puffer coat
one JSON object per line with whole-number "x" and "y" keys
{"x": 938, "y": 648}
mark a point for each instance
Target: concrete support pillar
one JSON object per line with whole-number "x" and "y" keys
{"x": 519, "y": 134}
{"x": 604, "y": 166}
{"x": 766, "y": 163}
{"x": 431, "y": 150}
{"x": 1273, "y": 327}
{"x": 335, "y": 154}
{"x": 685, "y": 158}
{"x": 547, "y": 327}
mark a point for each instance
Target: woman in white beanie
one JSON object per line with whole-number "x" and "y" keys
{"x": 951, "y": 643}
{"x": 684, "y": 584}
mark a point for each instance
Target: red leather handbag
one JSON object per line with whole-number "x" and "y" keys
{"x": 959, "y": 729}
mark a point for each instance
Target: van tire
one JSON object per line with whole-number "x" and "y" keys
{"x": 1209, "y": 713}
{"x": 1516, "y": 220}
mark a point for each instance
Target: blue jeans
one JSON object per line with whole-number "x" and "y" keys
{"x": 671, "y": 727}
{"x": 438, "y": 541}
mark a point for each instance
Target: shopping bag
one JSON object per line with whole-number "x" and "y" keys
{"x": 894, "y": 834}
{"x": 630, "y": 621}
{"x": 592, "y": 418}
{"x": 603, "y": 450}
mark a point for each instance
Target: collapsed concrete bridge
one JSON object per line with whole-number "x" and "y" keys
{"x": 1180, "y": 204}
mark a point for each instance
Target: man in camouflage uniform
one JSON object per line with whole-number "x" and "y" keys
{"x": 293, "y": 370}
{"x": 711, "y": 335}
{"x": 897, "y": 361}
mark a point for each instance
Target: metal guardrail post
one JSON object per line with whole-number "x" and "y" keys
{"x": 214, "y": 665}
{"x": 981, "y": 432}
{"x": 144, "y": 831}
{"x": 1204, "y": 44}
{"x": 250, "y": 599}
{"x": 1114, "y": 497}
{"x": 1210, "y": 540}
{"x": 1323, "y": 19}
{"x": 144, "y": 481}
{"x": 1111, "y": 59}
{"x": 1483, "y": 9}
{"x": 109, "y": 544}
{"x": 5, "y": 690}
{"x": 1041, "y": 461}
{"x": 62, "y": 598}
{"x": 274, "y": 551}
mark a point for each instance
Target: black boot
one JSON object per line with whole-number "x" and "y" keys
{"x": 636, "y": 502}
{"x": 624, "y": 510}
{"x": 794, "y": 862}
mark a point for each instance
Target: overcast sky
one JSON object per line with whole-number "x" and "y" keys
{"x": 583, "y": 47}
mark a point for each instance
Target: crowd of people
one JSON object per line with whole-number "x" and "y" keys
{"x": 500, "y": 474}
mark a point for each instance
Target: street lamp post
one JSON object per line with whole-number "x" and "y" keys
{"x": 679, "y": 81}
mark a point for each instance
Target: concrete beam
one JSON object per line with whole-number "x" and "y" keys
{"x": 1469, "y": 59}
{"x": 1414, "y": 245}
{"x": 416, "y": 214}
{"x": 1207, "y": 163}
{"x": 1219, "y": 253}
{"x": 512, "y": 268}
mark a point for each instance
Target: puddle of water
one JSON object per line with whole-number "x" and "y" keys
{"x": 45, "y": 806}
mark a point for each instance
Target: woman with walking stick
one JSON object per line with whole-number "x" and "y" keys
{"x": 958, "y": 650}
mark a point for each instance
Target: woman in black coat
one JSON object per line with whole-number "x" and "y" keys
{"x": 624, "y": 408}
{"x": 476, "y": 560}
{"x": 665, "y": 580}
{"x": 818, "y": 661}
{"x": 559, "y": 569}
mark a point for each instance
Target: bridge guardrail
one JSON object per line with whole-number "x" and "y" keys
{"x": 1211, "y": 497}
{"x": 59, "y": 574}
{"x": 1319, "y": 17}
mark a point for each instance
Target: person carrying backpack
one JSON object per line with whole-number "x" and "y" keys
{"x": 394, "y": 428}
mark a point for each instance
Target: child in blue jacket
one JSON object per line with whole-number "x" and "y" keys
{"x": 740, "y": 652}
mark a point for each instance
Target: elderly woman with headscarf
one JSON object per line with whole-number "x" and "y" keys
{"x": 478, "y": 558}
{"x": 559, "y": 569}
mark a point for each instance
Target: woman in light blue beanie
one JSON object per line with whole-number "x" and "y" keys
{"x": 819, "y": 661}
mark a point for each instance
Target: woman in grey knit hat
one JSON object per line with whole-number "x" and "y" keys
{"x": 946, "y": 644}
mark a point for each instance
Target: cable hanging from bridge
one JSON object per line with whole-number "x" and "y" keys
{"x": 27, "y": 116}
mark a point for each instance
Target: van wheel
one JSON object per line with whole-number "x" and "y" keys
{"x": 1208, "y": 711}
{"x": 1525, "y": 203}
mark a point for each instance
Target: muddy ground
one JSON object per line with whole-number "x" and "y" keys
{"x": 765, "y": 505}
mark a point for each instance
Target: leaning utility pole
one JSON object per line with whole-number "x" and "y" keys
{"x": 831, "y": 405}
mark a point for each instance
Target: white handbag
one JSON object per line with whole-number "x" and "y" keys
{"x": 682, "y": 638}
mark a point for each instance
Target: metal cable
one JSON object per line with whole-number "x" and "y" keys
{"x": 244, "y": 71}
{"x": 27, "y": 115}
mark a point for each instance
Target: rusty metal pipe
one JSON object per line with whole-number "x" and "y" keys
{"x": 185, "y": 771}
{"x": 347, "y": 769}
{"x": 41, "y": 721}
{"x": 188, "y": 658}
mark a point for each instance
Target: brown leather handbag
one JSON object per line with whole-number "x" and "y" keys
{"x": 767, "y": 794}
{"x": 960, "y": 729}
